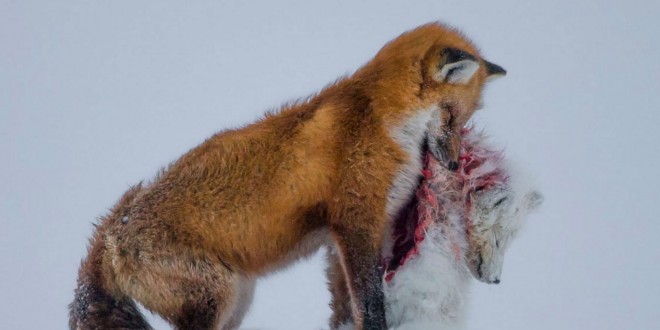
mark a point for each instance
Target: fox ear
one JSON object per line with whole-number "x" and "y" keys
{"x": 494, "y": 71}
{"x": 533, "y": 199}
{"x": 457, "y": 67}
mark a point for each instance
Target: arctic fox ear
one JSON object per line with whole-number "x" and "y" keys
{"x": 494, "y": 71}
{"x": 458, "y": 66}
{"x": 534, "y": 200}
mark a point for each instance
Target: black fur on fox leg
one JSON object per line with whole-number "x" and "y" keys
{"x": 374, "y": 301}
{"x": 197, "y": 315}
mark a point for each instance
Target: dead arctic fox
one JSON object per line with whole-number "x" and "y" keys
{"x": 462, "y": 223}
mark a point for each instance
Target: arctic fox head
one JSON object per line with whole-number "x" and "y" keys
{"x": 496, "y": 216}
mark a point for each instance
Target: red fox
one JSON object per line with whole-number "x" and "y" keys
{"x": 333, "y": 169}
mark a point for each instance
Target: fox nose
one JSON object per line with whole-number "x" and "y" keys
{"x": 496, "y": 281}
{"x": 452, "y": 166}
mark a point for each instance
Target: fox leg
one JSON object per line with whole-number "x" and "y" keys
{"x": 190, "y": 292}
{"x": 358, "y": 239}
{"x": 245, "y": 295}
{"x": 364, "y": 274}
{"x": 340, "y": 298}
{"x": 202, "y": 308}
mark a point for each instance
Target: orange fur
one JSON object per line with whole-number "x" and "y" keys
{"x": 248, "y": 201}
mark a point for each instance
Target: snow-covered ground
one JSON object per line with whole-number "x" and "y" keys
{"x": 97, "y": 95}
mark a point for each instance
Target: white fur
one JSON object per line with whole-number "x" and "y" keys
{"x": 409, "y": 137}
{"x": 497, "y": 226}
{"x": 429, "y": 291}
{"x": 462, "y": 72}
{"x": 494, "y": 77}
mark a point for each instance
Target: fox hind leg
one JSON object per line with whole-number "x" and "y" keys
{"x": 340, "y": 303}
{"x": 190, "y": 292}
{"x": 245, "y": 295}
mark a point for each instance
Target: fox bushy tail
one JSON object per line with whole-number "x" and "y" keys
{"x": 94, "y": 305}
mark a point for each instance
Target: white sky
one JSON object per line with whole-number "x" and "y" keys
{"x": 97, "y": 95}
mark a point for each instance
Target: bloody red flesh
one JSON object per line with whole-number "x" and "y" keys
{"x": 440, "y": 190}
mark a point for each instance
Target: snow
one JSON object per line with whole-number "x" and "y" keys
{"x": 98, "y": 95}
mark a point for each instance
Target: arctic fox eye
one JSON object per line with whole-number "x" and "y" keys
{"x": 498, "y": 203}
{"x": 497, "y": 243}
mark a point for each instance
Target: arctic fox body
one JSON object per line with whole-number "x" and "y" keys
{"x": 468, "y": 220}
{"x": 460, "y": 227}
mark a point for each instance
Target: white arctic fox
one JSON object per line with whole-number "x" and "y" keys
{"x": 466, "y": 221}
{"x": 459, "y": 223}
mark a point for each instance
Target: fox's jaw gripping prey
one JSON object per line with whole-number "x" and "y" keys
{"x": 335, "y": 168}
{"x": 461, "y": 76}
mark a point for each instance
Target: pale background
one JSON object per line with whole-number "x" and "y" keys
{"x": 97, "y": 95}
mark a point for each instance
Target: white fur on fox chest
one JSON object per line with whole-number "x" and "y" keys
{"x": 410, "y": 137}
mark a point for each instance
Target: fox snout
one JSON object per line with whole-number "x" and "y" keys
{"x": 453, "y": 146}
{"x": 446, "y": 150}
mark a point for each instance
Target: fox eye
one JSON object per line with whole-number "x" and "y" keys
{"x": 497, "y": 243}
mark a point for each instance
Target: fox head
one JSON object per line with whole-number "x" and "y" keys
{"x": 496, "y": 216}
{"x": 455, "y": 84}
{"x": 433, "y": 66}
